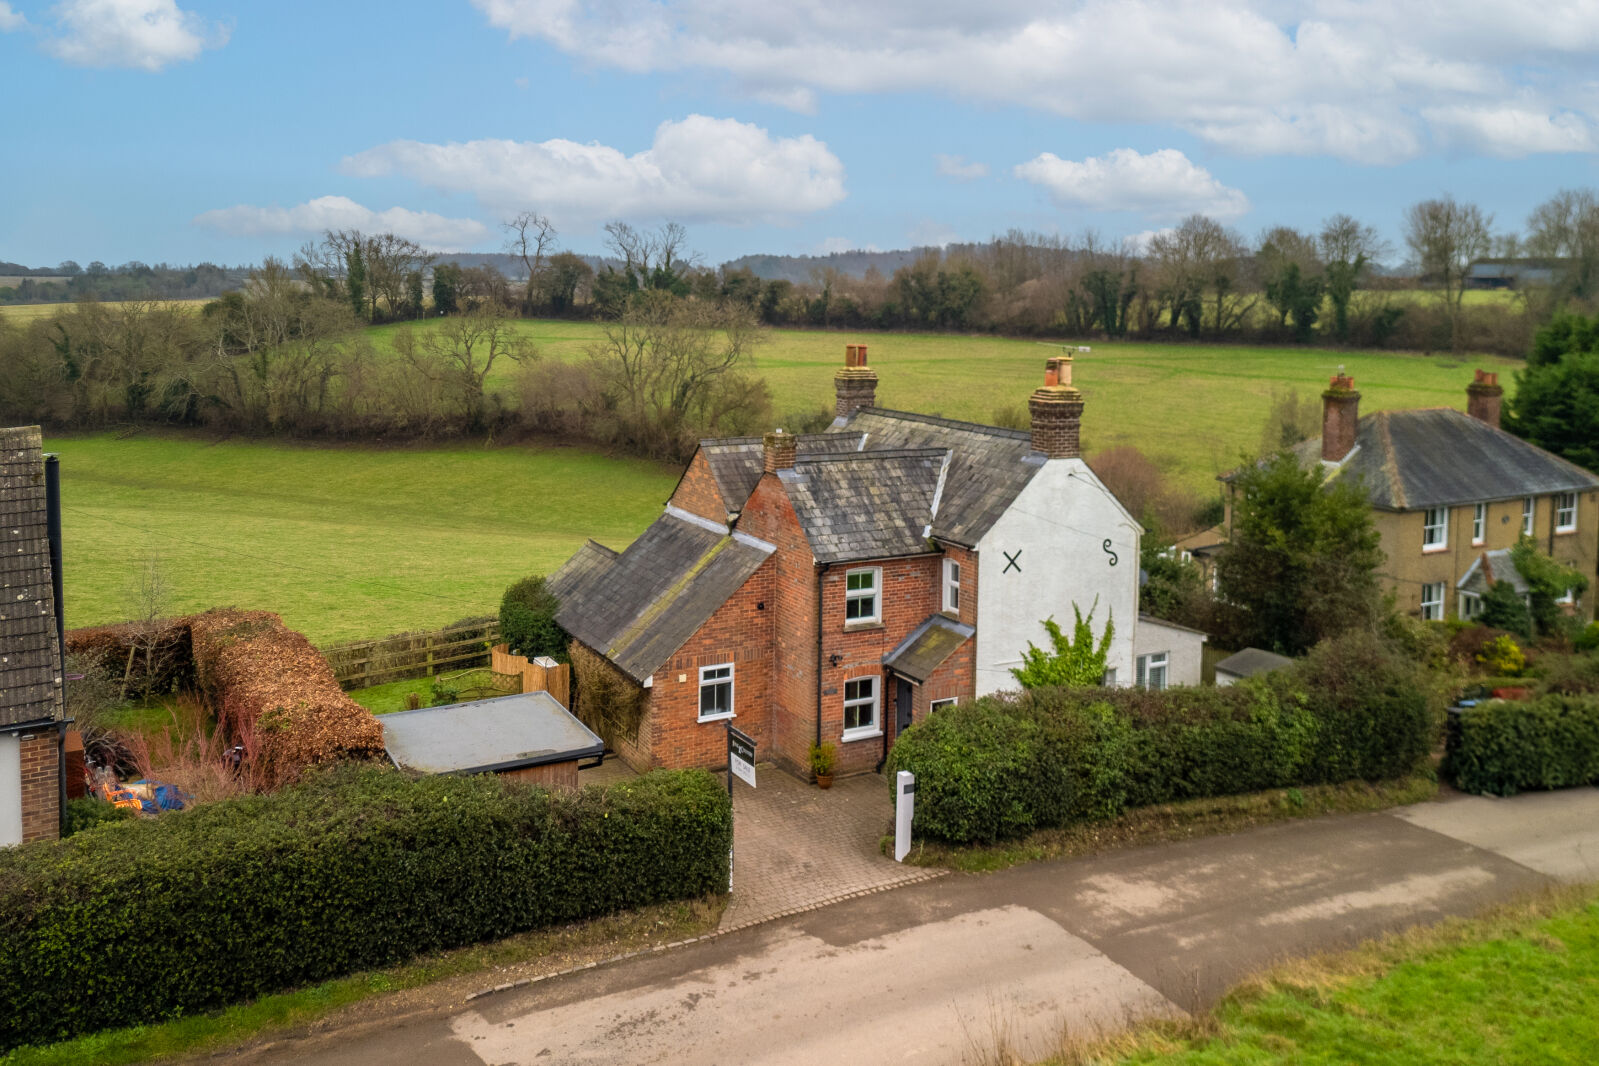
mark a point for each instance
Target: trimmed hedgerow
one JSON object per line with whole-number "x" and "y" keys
{"x": 355, "y": 868}
{"x": 1504, "y": 747}
{"x": 1005, "y": 765}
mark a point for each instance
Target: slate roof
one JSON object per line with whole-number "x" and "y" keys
{"x": 1490, "y": 567}
{"x": 736, "y": 462}
{"x": 30, "y": 655}
{"x": 639, "y": 606}
{"x": 488, "y": 736}
{"x": 1439, "y": 457}
{"x": 988, "y": 466}
{"x": 866, "y": 505}
{"x": 927, "y": 646}
{"x": 1252, "y": 661}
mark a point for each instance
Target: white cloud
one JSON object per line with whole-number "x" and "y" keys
{"x": 836, "y": 245}
{"x": 1510, "y": 131}
{"x": 957, "y": 167}
{"x": 1370, "y": 80}
{"x": 141, "y": 34}
{"x": 435, "y": 232}
{"x": 699, "y": 169}
{"x": 9, "y": 19}
{"x": 1163, "y": 184}
{"x": 931, "y": 233}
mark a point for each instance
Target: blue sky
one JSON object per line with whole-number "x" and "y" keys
{"x": 183, "y": 130}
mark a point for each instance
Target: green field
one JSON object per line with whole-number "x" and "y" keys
{"x": 350, "y": 542}
{"x": 19, "y": 314}
{"x": 343, "y": 542}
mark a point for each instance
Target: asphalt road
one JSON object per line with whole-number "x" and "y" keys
{"x": 942, "y": 971}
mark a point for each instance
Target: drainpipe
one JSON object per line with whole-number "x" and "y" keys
{"x": 882, "y": 710}
{"x": 820, "y": 573}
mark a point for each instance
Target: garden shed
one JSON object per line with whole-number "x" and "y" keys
{"x": 529, "y": 736}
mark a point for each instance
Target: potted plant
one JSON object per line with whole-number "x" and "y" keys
{"x": 822, "y": 757}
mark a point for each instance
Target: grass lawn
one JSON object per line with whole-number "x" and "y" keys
{"x": 344, "y": 542}
{"x": 1519, "y": 986}
{"x": 22, "y": 314}
{"x": 385, "y": 699}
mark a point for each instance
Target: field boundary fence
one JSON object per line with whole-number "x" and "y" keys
{"x": 402, "y": 656}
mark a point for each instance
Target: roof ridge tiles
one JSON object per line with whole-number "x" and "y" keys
{"x": 879, "y": 453}
{"x": 952, "y": 423}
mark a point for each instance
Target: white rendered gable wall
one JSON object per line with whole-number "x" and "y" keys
{"x": 1059, "y": 524}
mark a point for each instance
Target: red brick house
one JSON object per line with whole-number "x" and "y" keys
{"x": 840, "y": 586}
{"x": 32, "y": 713}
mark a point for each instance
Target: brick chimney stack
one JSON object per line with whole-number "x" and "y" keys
{"x": 778, "y": 451}
{"x": 1057, "y": 411}
{"x": 1340, "y": 412}
{"x": 855, "y": 383}
{"x": 1484, "y": 396}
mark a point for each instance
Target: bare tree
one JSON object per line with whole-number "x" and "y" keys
{"x": 651, "y": 256}
{"x": 1199, "y": 256}
{"x": 1446, "y": 236}
{"x": 530, "y": 236}
{"x": 1566, "y": 226}
{"x": 1347, "y": 251}
{"x": 461, "y": 353}
{"x": 390, "y": 259}
{"x": 150, "y": 601}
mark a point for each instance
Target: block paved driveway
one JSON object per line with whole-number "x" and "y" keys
{"x": 797, "y": 847}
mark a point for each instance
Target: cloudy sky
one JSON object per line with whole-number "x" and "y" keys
{"x": 182, "y": 130}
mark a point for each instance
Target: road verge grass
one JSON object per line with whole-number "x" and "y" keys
{"x": 1166, "y": 822}
{"x": 1517, "y": 984}
{"x": 443, "y": 977}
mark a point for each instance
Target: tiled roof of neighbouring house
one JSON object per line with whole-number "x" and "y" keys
{"x": 736, "y": 462}
{"x": 638, "y": 607}
{"x": 1439, "y": 457}
{"x": 927, "y": 646}
{"x": 988, "y": 466}
{"x": 866, "y": 505}
{"x": 30, "y": 657}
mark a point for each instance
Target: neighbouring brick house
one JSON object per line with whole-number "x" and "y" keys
{"x": 1452, "y": 493}
{"x": 840, "y": 586}
{"x": 32, "y": 725}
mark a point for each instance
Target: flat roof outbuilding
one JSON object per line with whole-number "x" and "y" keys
{"x": 488, "y": 736}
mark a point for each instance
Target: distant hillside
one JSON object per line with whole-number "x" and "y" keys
{"x": 853, "y": 264}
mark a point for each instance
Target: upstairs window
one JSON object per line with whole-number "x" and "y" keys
{"x": 860, "y": 595}
{"x": 1435, "y": 529}
{"x": 860, "y": 708}
{"x": 1527, "y": 511}
{"x": 716, "y": 692}
{"x": 952, "y": 586}
{"x": 1479, "y": 524}
{"x": 1566, "y": 512}
{"x": 1432, "y": 602}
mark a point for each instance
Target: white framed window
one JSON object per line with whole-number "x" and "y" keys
{"x": 1110, "y": 677}
{"x": 1435, "y": 529}
{"x": 860, "y": 594}
{"x": 1527, "y": 512}
{"x": 1432, "y": 602}
{"x": 1469, "y": 607}
{"x": 1566, "y": 512}
{"x": 1479, "y": 524}
{"x": 716, "y": 692}
{"x": 941, "y": 705}
{"x": 1152, "y": 670}
{"x": 1570, "y": 596}
{"x": 952, "y": 586}
{"x": 860, "y": 708}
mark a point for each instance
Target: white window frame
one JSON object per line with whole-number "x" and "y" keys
{"x": 1468, "y": 605}
{"x": 706, "y": 682}
{"x": 875, "y": 727}
{"x": 1435, "y": 520}
{"x": 875, "y": 594}
{"x": 952, "y": 586}
{"x": 1432, "y": 610}
{"x": 1109, "y": 680}
{"x": 941, "y": 705}
{"x": 1566, "y": 516}
{"x": 1479, "y": 524}
{"x": 1149, "y": 665}
{"x": 1529, "y": 515}
{"x": 1568, "y": 597}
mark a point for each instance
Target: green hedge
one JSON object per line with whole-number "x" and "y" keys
{"x": 1005, "y": 765}
{"x": 1501, "y": 747}
{"x": 355, "y": 868}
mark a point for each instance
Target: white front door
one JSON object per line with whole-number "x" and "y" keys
{"x": 10, "y": 790}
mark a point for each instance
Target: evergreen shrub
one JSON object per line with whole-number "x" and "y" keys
{"x": 355, "y": 867}
{"x": 1504, "y": 747}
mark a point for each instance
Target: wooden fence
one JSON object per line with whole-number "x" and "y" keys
{"x": 363, "y": 663}
{"x": 537, "y": 675}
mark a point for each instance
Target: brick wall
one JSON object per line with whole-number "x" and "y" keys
{"x": 697, "y": 493}
{"x": 41, "y": 786}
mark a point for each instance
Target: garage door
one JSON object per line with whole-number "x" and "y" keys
{"x": 10, "y": 790}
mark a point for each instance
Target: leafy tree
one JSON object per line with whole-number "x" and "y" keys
{"x": 1293, "y": 293}
{"x": 1347, "y": 249}
{"x": 613, "y": 291}
{"x": 567, "y": 274}
{"x": 1503, "y": 608}
{"x": 527, "y": 620}
{"x": 1171, "y": 585}
{"x": 355, "y": 280}
{"x": 446, "y": 288}
{"x": 1301, "y": 562}
{"x": 1556, "y": 405}
{"x": 1547, "y": 582}
{"x": 1073, "y": 661}
{"x": 413, "y": 293}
